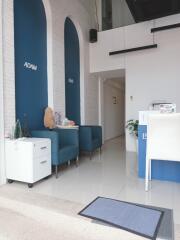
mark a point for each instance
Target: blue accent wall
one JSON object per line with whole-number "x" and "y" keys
{"x": 30, "y": 47}
{"x": 72, "y": 72}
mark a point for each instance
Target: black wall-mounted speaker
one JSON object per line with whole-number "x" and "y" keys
{"x": 93, "y": 35}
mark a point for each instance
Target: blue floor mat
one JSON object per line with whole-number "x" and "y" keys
{"x": 127, "y": 216}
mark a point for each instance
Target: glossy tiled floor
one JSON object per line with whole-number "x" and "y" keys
{"x": 114, "y": 175}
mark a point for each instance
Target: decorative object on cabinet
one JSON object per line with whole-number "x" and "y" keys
{"x": 49, "y": 121}
{"x": 58, "y": 118}
{"x": 28, "y": 160}
{"x": 67, "y": 122}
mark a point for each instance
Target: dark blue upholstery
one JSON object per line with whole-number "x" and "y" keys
{"x": 90, "y": 138}
{"x": 64, "y": 144}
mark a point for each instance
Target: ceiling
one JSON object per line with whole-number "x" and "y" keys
{"x": 143, "y": 10}
{"x": 114, "y": 78}
{"x": 116, "y": 82}
{"x": 114, "y": 74}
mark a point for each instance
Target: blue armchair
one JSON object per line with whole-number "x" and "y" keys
{"x": 64, "y": 145}
{"x": 90, "y": 138}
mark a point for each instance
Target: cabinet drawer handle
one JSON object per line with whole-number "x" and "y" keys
{"x": 43, "y": 162}
{"x": 42, "y": 148}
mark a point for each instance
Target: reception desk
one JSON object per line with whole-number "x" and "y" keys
{"x": 161, "y": 170}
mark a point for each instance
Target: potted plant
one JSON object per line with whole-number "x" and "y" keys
{"x": 132, "y": 126}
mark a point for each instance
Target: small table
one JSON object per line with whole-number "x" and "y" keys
{"x": 68, "y": 127}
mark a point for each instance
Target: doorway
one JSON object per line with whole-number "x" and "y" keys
{"x": 112, "y": 103}
{"x": 72, "y": 72}
{"x": 114, "y": 108}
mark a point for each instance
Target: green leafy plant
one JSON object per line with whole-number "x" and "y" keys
{"x": 132, "y": 126}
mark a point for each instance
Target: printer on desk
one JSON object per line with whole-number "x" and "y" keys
{"x": 163, "y": 107}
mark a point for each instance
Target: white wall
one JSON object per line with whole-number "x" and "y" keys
{"x": 113, "y": 113}
{"x": 80, "y": 16}
{"x": 91, "y": 100}
{"x": 2, "y": 168}
{"x": 150, "y": 74}
{"x": 8, "y": 58}
{"x": 153, "y": 75}
{"x": 118, "y": 39}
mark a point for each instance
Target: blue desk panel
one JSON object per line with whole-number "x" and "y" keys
{"x": 161, "y": 170}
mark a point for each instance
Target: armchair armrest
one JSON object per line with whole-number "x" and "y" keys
{"x": 53, "y": 136}
{"x": 97, "y": 132}
{"x": 90, "y": 137}
{"x": 85, "y": 138}
{"x": 68, "y": 136}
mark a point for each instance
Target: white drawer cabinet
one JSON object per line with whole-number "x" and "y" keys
{"x": 28, "y": 160}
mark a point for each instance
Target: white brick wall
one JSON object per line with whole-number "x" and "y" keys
{"x": 9, "y": 75}
{"x": 82, "y": 20}
{"x": 2, "y": 170}
{"x": 60, "y": 9}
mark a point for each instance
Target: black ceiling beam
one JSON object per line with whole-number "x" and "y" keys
{"x": 133, "y": 49}
{"x": 177, "y": 25}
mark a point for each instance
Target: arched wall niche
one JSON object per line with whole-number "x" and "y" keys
{"x": 81, "y": 69}
{"x": 72, "y": 71}
{"x": 33, "y": 86}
